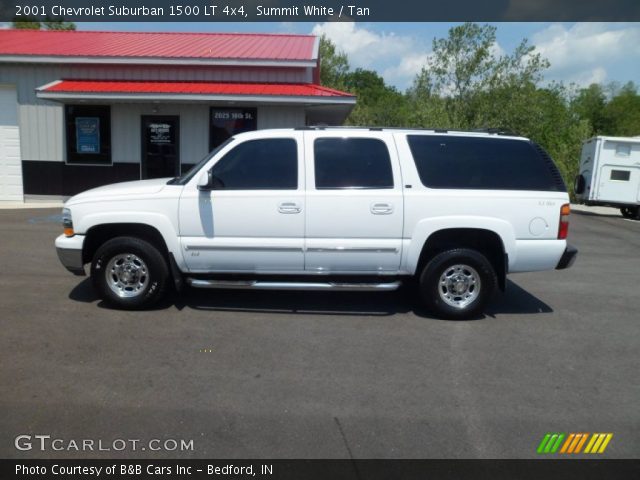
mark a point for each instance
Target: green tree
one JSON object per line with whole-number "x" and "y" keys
{"x": 334, "y": 65}
{"x": 48, "y": 24}
{"x": 53, "y": 24}
{"x": 378, "y": 104}
{"x": 26, "y": 23}
{"x": 589, "y": 104}
{"x": 622, "y": 112}
{"x": 467, "y": 64}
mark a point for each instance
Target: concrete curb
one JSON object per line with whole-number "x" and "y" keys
{"x": 595, "y": 210}
{"x": 22, "y": 206}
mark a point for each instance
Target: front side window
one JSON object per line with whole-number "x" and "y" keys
{"x": 265, "y": 164}
{"x": 88, "y": 134}
{"x": 352, "y": 163}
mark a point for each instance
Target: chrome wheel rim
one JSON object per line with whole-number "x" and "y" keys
{"x": 459, "y": 285}
{"x": 127, "y": 275}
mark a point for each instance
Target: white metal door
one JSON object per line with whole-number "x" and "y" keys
{"x": 245, "y": 231}
{"x": 10, "y": 163}
{"x": 353, "y": 229}
{"x": 619, "y": 184}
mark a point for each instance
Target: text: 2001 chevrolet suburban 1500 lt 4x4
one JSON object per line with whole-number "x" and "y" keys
{"x": 322, "y": 208}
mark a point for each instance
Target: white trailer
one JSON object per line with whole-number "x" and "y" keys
{"x": 610, "y": 174}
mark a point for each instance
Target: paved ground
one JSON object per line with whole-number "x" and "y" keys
{"x": 322, "y": 375}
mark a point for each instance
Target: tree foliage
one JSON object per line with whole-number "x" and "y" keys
{"x": 334, "y": 65}
{"x": 28, "y": 23}
{"x": 378, "y": 104}
{"x": 621, "y": 115}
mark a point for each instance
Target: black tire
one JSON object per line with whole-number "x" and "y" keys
{"x": 148, "y": 284}
{"x": 479, "y": 292}
{"x": 630, "y": 212}
{"x": 579, "y": 184}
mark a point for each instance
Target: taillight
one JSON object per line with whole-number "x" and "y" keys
{"x": 563, "y": 229}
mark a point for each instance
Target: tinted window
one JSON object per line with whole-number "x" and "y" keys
{"x": 483, "y": 163}
{"x": 352, "y": 163}
{"x": 268, "y": 164}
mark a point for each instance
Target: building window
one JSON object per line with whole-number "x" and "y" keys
{"x": 352, "y": 163}
{"x": 227, "y": 122}
{"x": 620, "y": 175}
{"x": 88, "y": 134}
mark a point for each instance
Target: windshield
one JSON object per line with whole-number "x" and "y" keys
{"x": 189, "y": 174}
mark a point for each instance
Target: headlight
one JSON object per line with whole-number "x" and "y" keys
{"x": 67, "y": 222}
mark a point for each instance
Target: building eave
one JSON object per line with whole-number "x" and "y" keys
{"x": 170, "y": 97}
{"x": 231, "y": 62}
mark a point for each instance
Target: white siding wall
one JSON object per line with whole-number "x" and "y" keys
{"x": 42, "y": 122}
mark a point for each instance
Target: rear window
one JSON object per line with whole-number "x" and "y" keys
{"x": 483, "y": 163}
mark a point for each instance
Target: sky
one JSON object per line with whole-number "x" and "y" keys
{"x": 580, "y": 53}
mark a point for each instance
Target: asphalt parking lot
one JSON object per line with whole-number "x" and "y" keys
{"x": 322, "y": 375}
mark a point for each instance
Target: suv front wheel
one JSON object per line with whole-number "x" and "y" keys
{"x": 457, "y": 284}
{"x": 129, "y": 273}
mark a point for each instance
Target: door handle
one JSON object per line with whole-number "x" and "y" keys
{"x": 289, "y": 207}
{"x": 381, "y": 208}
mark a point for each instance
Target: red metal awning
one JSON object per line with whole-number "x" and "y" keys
{"x": 153, "y": 90}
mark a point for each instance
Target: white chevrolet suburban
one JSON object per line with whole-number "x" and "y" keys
{"x": 321, "y": 208}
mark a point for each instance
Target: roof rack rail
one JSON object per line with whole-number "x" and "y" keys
{"x": 489, "y": 130}
{"x": 497, "y": 131}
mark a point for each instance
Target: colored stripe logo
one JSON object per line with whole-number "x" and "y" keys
{"x": 574, "y": 442}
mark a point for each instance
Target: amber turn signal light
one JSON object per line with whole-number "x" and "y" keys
{"x": 563, "y": 229}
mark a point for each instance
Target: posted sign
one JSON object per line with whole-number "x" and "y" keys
{"x": 87, "y": 135}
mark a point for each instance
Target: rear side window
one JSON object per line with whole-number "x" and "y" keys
{"x": 266, "y": 164}
{"x": 352, "y": 163}
{"x": 483, "y": 163}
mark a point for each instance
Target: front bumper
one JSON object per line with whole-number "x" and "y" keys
{"x": 69, "y": 251}
{"x": 568, "y": 257}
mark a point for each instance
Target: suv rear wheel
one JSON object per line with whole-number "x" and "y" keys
{"x": 129, "y": 273}
{"x": 457, "y": 284}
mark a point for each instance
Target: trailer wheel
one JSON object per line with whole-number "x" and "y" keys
{"x": 630, "y": 212}
{"x": 579, "y": 184}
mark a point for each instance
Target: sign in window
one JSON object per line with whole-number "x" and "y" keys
{"x": 227, "y": 122}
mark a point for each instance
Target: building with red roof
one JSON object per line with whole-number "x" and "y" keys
{"x": 80, "y": 109}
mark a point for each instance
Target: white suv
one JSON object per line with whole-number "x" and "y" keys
{"x": 320, "y": 208}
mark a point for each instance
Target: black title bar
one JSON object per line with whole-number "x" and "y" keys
{"x": 542, "y": 469}
{"x": 320, "y": 10}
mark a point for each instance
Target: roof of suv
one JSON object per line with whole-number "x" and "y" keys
{"x": 488, "y": 132}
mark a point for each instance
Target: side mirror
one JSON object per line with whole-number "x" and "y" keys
{"x": 205, "y": 181}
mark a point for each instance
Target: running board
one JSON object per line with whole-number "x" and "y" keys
{"x": 264, "y": 285}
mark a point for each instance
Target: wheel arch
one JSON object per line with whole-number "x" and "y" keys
{"x": 99, "y": 234}
{"x": 486, "y": 241}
